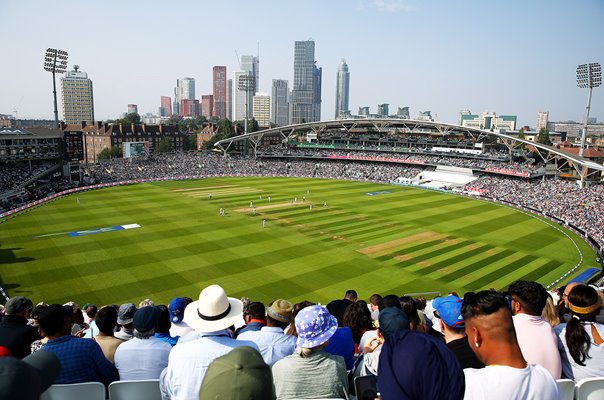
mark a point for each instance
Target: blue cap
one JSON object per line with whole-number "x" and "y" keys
{"x": 449, "y": 310}
{"x": 177, "y": 309}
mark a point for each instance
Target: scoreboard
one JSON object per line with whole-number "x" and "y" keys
{"x": 74, "y": 146}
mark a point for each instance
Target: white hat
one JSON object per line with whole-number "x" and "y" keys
{"x": 213, "y": 311}
{"x": 429, "y": 311}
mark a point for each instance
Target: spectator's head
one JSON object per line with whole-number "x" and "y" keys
{"x": 392, "y": 321}
{"x": 409, "y": 307}
{"x": 315, "y": 325}
{"x": 145, "y": 320}
{"x": 239, "y": 374}
{"x": 27, "y": 379}
{"x": 91, "y": 311}
{"x": 146, "y": 303}
{"x": 163, "y": 323}
{"x": 489, "y": 324}
{"x": 527, "y": 297}
{"x": 106, "y": 319}
{"x": 390, "y": 300}
{"x": 351, "y": 295}
{"x": 375, "y": 299}
{"x": 214, "y": 311}
{"x": 177, "y": 309}
{"x": 448, "y": 311}
{"x": 125, "y": 315}
{"x": 414, "y": 365}
{"x": 55, "y": 321}
{"x": 358, "y": 318}
{"x": 567, "y": 290}
{"x": 18, "y": 305}
{"x": 297, "y": 308}
{"x": 254, "y": 310}
{"x": 279, "y": 313}
{"x": 584, "y": 303}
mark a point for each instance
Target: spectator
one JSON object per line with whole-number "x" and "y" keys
{"x": 239, "y": 374}
{"x": 374, "y": 306}
{"x": 93, "y": 329}
{"x": 550, "y": 312}
{"x": 254, "y": 316}
{"x": 447, "y": 310}
{"x": 409, "y": 307}
{"x": 491, "y": 334}
{"x": 177, "y": 312}
{"x": 535, "y": 336}
{"x": 271, "y": 339}
{"x": 15, "y": 333}
{"x": 392, "y": 321}
{"x": 125, "y": 316}
{"x": 144, "y": 356}
{"x": 311, "y": 372}
{"x": 338, "y": 307}
{"x": 580, "y": 340}
{"x": 27, "y": 379}
{"x": 106, "y": 320}
{"x": 291, "y": 329}
{"x": 341, "y": 343}
{"x": 37, "y": 344}
{"x": 82, "y": 360}
{"x": 357, "y": 317}
{"x": 210, "y": 316}
{"x": 162, "y": 331}
{"x": 415, "y": 366}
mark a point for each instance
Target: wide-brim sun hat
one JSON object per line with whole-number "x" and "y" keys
{"x": 213, "y": 311}
{"x": 315, "y": 325}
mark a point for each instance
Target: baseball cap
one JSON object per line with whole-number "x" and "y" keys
{"x": 177, "y": 309}
{"x": 146, "y": 318}
{"x": 17, "y": 304}
{"x": 449, "y": 310}
{"x": 27, "y": 378}
{"x": 392, "y": 320}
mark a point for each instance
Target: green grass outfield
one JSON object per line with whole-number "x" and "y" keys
{"x": 405, "y": 241}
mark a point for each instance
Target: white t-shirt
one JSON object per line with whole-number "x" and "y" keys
{"x": 502, "y": 382}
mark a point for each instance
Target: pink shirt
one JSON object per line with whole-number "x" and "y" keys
{"x": 538, "y": 342}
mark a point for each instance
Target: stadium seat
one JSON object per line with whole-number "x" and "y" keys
{"x": 135, "y": 390}
{"x": 590, "y": 389}
{"x": 567, "y": 388}
{"x": 75, "y": 391}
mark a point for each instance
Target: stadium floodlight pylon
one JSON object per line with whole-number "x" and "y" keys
{"x": 55, "y": 61}
{"x": 246, "y": 83}
{"x": 588, "y": 76}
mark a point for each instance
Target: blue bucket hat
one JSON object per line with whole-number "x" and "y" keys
{"x": 315, "y": 325}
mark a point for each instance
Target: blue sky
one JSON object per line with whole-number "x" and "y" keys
{"x": 512, "y": 57}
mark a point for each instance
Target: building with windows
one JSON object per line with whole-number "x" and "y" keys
{"x": 306, "y": 93}
{"x": 280, "y": 102}
{"x": 165, "y": 110}
{"x": 239, "y": 99}
{"x": 189, "y": 108}
{"x": 382, "y": 110}
{"x": 251, "y": 66}
{"x": 229, "y": 99}
{"x": 78, "y": 99}
{"x": 542, "y": 117}
{"x": 262, "y": 109}
{"x": 403, "y": 113}
{"x": 489, "y": 121}
{"x": 342, "y": 89}
{"x": 219, "y": 84}
{"x": 207, "y": 105}
{"x": 574, "y": 129}
{"x": 132, "y": 109}
{"x": 185, "y": 90}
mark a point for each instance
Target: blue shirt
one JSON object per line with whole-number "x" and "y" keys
{"x": 274, "y": 344}
{"x": 82, "y": 360}
{"x": 167, "y": 338}
{"x": 252, "y": 326}
{"x": 342, "y": 344}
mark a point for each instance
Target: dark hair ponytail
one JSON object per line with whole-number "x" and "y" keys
{"x": 577, "y": 340}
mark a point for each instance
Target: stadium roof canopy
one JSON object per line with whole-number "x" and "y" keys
{"x": 584, "y": 167}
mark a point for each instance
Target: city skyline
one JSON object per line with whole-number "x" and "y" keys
{"x": 443, "y": 57}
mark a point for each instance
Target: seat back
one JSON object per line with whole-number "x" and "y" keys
{"x": 365, "y": 386}
{"x": 567, "y": 388}
{"x": 75, "y": 391}
{"x": 590, "y": 389}
{"x": 135, "y": 390}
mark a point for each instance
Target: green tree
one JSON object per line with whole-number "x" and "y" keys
{"x": 252, "y": 126}
{"x": 190, "y": 142}
{"x": 543, "y": 137}
{"x": 164, "y": 146}
{"x": 109, "y": 153}
{"x": 132, "y": 118}
{"x": 521, "y": 134}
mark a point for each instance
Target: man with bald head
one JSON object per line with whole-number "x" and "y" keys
{"x": 491, "y": 335}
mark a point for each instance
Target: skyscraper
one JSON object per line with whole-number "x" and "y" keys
{"x": 220, "y": 91}
{"x": 342, "y": 88}
{"x": 185, "y": 90}
{"x": 262, "y": 109}
{"x": 306, "y": 94}
{"x": 132, "y": 109}
{"x": 383, "y": 110}
{"x": 229, "y": 99}
{"x": 542, "y": 119}
{"x": 207, "y": 105}
{"x": 78, "y": 102}
{"x": 280, "y": 102}
{"x": 238, "y": 98}
{"x": 165, "y": 110}
{"x": 251, "y": 66}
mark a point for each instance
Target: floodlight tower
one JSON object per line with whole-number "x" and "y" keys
{"x": 246, "y": 83}
{"x": 588, "y": 76}
{"x": 55, "y": 61}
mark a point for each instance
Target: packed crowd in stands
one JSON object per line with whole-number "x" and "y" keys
{"x": 15, "y": 174}
{"x": 483, "y": 345}
{"x": 558, "y": 198}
